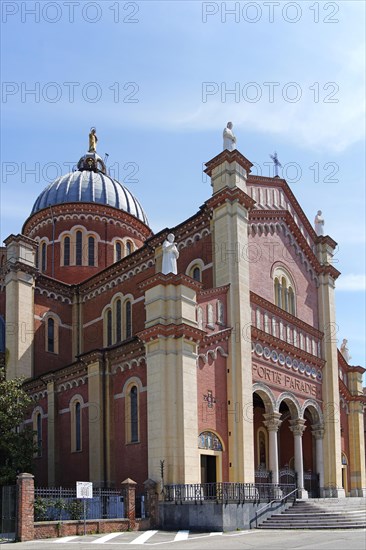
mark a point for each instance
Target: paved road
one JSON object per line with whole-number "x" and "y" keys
{"x": 186, "y": 540}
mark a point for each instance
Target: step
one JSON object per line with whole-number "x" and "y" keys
{"x": 289, "y": 517}
{"x": 317, "y": 527}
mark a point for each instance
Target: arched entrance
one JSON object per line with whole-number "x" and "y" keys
{"x": 210, "y": 450}
{"x": 266, "y": 422}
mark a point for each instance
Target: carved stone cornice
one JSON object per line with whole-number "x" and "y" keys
{"x": 172, "y": 331}
{"x": 212, "y": 292}
{"x": 170, "y": 279}
{"x": 282, "y": 184}
{"x": 228, "y": 156}
{"x": 81, "y": 211}
{"x": 228, "y": 194}
{"x": 348, "y": 396}
{"x": 215, "y": 338}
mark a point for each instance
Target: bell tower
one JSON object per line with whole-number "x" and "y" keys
{"x": 230, "y": 205}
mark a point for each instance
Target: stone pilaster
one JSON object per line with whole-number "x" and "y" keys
{"x": 171, "y": 341}
{"x": 20, "y": 282}
{"x": 330, "y": 384}
{"x": 230, "y": 206}
{"x": 51, "y": 430}
{"x": 95, "y": 421}
{"x": 356, "y": 449}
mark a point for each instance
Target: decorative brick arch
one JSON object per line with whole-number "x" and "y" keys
{"x": 266, "y": 395}
{"x": 292, "y": 403}
{"x": 314, "y": 409}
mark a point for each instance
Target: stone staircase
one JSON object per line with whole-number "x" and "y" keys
{"x": 318, "y": 513}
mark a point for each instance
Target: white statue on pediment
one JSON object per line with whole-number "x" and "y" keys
{"x": 170, "y": 255}
{"x": 345, "y": 351}
{"x": 319, "y": 223}
{"x": 229, "y": 138}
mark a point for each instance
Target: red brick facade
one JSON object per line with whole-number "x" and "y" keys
{"x": 77, "y": 297}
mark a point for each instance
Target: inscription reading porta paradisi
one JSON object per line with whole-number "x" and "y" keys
{"x": 285, "y": 380}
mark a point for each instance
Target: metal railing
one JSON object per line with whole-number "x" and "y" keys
{"x": 284, "y": 498}
{"x": 225, "y": 492}
{"x": 61, "y": 504}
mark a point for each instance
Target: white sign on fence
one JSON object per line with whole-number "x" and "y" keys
{"x": 84, "y": 489}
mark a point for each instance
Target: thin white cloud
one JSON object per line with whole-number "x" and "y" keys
{"x": 351, "y": 283}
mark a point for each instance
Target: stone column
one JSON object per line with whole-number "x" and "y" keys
{"x": 297, "y": 428}
{"x": 318, "y": 433}
{"x": 25, "y": 513}
{"x": 129, "y": 493}
{"x": 272, "y": 423}
{"x": 51, "y": 432}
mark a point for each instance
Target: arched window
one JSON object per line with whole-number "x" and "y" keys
{"x": 128, "y": 247}
{"x": 109, "y": 327}
{"x": 77, "y": 426}
{"x": 118, "y": 321}
{"x": 118, "y": 251}
{"x": 128, "y": 316}
{"x": 284, "y": 294}
{"x": 79, "y": 248}
{"x": 196, "y": 274}
{"x": 51, "y": 335}
{"x": 37, "y": 257}
{"x": 76, "y": 423}
{"x": 38, "y": 430}
{"x": 91, "y": 251}
{"x": 134, "y": 414}
{"x": 43, "y": 256}
{"x": 67, "y": 251}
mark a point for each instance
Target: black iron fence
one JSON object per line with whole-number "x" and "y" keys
{"x": 8, "y": 504}
{"x": 61, "y": 504}
{"x": 226, "y": 492}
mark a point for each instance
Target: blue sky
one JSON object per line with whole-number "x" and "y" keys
{"x": 155, "y": 80}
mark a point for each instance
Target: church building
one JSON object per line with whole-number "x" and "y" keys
{"x": 202, "y": 353}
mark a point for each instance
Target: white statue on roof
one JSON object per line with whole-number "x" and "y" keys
{"x": 170, "y": 255}
{"x": 319, "y": 223}
{"x": 345, "y": 351}
{"x": 229, "y": 138}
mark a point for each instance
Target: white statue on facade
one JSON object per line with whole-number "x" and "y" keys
{"x": 229, "y": 138}
{"x": 170, "y": 255}
{"x": 319, "y": 223}
{"x": 345, "y": 351}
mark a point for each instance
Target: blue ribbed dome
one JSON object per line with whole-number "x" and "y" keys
{"x": 89, "y": 186}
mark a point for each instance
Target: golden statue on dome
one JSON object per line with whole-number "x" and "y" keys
{"x": 93, "y": 140}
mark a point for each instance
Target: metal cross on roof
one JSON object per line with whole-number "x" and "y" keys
{"x": 276, "y": 163}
